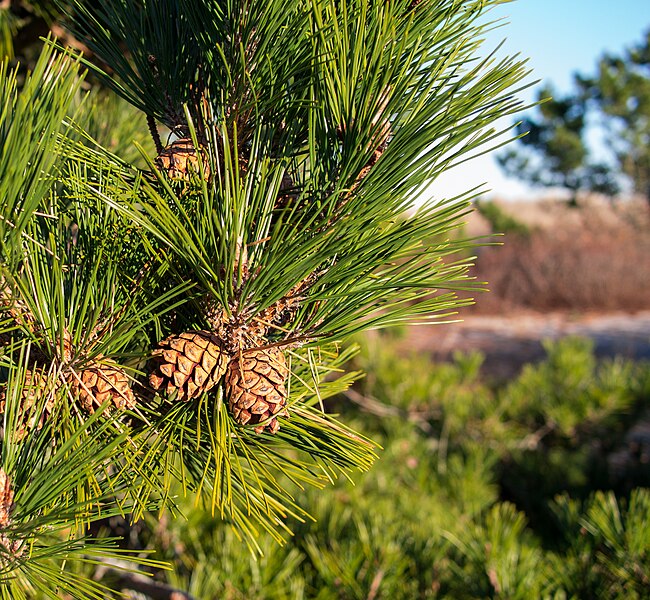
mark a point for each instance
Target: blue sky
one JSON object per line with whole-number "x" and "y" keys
{"x": 559, "y": 37}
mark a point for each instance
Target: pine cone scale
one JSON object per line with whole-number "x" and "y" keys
{"x": 167, "y": 370}
{"x": 263, "y": 388}
{"x": 259, "y": 408}
{"x": 178, "y": 344}
{"x": 180, "y": 379}
{"x": 185, "y": 365}
{"x": 192, "y": 351}
{"x": 276, "y": 408}
{"x": 277, "y": 377}
{"x": 263, "y": 368}
{"x": 249, "y": 379}
{"x": 209, "y": 362}
{"x": 200, "y": 375}
{"x": 247, "y": 400}
{"x": 170, "y": 356}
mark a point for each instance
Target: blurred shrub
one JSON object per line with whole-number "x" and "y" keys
{"x": 500, "y": 221}
{"x": 496, "y": 557}
{"x": 478, "y": 493}
{"x": 606, "y": 545}
{"x": 570, "y": 270}
{"x": 118, "y": 126}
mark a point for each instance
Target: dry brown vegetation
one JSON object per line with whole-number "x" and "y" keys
{"x": 595, "y": 257}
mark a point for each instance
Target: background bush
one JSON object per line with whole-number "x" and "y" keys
{"x": 479, "y": 492}
{"x": 556, "y": 258}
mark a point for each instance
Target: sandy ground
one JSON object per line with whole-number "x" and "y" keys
{"x": 510, "y": 342}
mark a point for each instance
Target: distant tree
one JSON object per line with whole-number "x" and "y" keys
{"x": 22, "y": 23}
{"x": 621, "y": 92}
{"x": 553, "y": 151}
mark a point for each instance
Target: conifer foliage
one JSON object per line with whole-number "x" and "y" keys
{"x": 183, "y": 322}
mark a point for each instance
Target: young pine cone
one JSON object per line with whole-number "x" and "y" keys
{"x": 102, "y": 381}
{"x": 255, "y": 388}
{"x": 192, "y": 363}
{"x": 35, "y": 385}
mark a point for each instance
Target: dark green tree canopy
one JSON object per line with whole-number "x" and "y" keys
{"x": 554, "y": 150}
{"x": 620, "y": 90}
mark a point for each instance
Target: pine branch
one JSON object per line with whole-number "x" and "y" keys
{"x": 31, "y": 121}
{"x": 155, "y": 135}
{"x": 187, "y": 315}
{"x": 46, "y": 499}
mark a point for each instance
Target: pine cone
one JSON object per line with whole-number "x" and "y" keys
{"x": 5, "y": 336}
{"x": 6, "y": 499}
{"x": 180, "y": 158}
{"x": 192, "y": 363}
{"x": 14, "y": 313}
{"x": 35, "y": 385}
{"x": 15, "y": 546}
{"x": 255, "y": 386}
{"x": 102, "y": 381}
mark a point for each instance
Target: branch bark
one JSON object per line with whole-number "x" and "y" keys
{"x": 375, "y": 407}
{"x": 138, "y": 582}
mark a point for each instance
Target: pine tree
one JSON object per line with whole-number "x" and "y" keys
{"x": 554, "y": 148}
{"x": 620, "y": 90}
{"x": 181, "y": 322}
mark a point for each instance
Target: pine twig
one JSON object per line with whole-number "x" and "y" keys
{"x": 139, "y": 582}
{"x": 375, "y": 585}
{"x": 532, "y": 440}
{"x": 155, "y": 134}
{"x": 375, "y": 407}
{"x": 379, "y": 142}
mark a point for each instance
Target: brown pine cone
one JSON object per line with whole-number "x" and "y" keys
{"x": 255, "y": 387}
{"x": 102, "y": 381}
{"x": 192, "y": 363}
{"x": 180, "y": 159}
{"x": 6, "y": 499}
{"x": 14, "y": 547}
